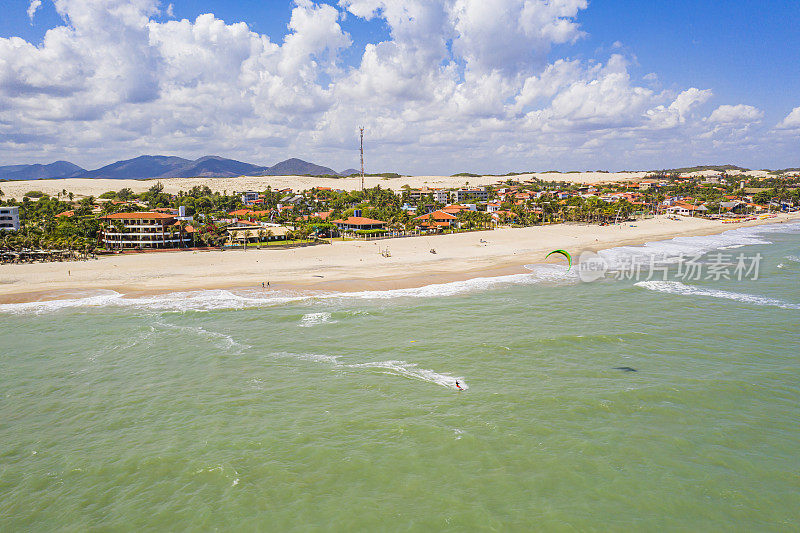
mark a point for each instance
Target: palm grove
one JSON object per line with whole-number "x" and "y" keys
{"x": 553, "y": 202}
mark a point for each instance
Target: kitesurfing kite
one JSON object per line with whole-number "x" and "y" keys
{"x": 564, "y": 253}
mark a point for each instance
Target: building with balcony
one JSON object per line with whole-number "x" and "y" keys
{"x": 143, "y": 230}
{"x": 9, "y": 218}
{"x": 480, "y": 194}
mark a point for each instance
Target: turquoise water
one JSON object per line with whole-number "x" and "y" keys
{"x": 267, "y": 411}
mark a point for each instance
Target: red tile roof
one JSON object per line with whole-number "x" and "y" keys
{"x": 437, "y": 215}
{"x": 147, "y": 215}
{"x": 360, "y": 221}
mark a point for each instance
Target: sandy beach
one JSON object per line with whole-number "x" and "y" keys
{"x": 351, "y": 265}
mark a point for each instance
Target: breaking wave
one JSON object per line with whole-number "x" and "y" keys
{"x": 313, "y": 319}
{"x": 670, "y": 250}
{"x": 394, "y": 368}
{"x": 220, "y": 340}
{"x": 209, "y": 300}
{"x": 676, "y": 287}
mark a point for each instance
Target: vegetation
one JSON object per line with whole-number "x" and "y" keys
{"x": 531, "y": 202}
{"x": 715, "y": 168}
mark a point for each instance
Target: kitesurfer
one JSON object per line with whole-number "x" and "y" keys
{"x": 458, "y": 386}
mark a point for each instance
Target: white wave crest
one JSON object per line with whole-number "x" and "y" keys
{"x": 670, "y": 250}
{"x": 209, "y": 300}
{"x": 313, "y": 319}
{"x": 396, "y": 368}
{"x": 220, "y": 340}
{"x": 203, "y": 300}
{"x": 676, "y": 287}
{"x": 793, "y": 258}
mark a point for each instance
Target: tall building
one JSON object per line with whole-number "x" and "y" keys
{"x": 143, "y": 230}
{"x": 461, "y": 195}
{"x": 9, "y": 218}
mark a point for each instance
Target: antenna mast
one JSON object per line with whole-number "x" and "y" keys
{"x": 361, "y": 131}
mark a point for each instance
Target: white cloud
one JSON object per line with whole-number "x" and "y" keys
{"x": 459, "y": 84}
{"x": 791, "y": 122}
{"x": 171, "y": 10}
{"x": 512, "y": 36}
{"x": 33, "y": 7}
{"x": 735, "y": 115}
{"x": 680, "y": 109}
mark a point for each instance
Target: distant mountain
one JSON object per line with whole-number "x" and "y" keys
{"x": 161, "y": 166}
{"x": 296, "y": 167}
{"x": 349, "y": 172}
{"x": 144, "y": 166}
{"x": 59, "y": 169}
{"x": 212, "y": 166}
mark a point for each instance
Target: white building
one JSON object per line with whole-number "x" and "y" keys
{"x": 460, "y": 195}
{"x": 9, "y": 218}
{"x": 249, "y": 197}
{"x": 441, "y": 196}
{"x": 143, "y": 230}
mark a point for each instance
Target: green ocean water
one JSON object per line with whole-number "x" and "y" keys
{"x": 274, "y": 412}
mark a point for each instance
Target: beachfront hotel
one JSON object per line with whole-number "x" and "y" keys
{"x": 143, "y": 230}
{"x": 9, "y": 218}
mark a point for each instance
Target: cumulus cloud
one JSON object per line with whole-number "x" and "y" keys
{"x": 458, "y": 83}
{"x": 680, "y": 109}
{"x": 791, "y": 122}
{"x": 735, "y": 115}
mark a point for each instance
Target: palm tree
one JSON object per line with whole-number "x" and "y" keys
{"x": 247, "y": 235}
{"x": 182, "y": 230}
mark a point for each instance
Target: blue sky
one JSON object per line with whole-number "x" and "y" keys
{"x": 604, "y": 84}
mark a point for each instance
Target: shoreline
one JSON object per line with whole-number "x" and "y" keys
{"x": 344, "y": 266}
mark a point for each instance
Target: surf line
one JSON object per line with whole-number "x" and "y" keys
{"x": 395, "y": 368}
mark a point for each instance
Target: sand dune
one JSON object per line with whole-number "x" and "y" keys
{"x": 95, "y": 187}
{"x": 82, "y": 187}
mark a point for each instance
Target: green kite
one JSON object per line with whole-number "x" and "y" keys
{"x": 564, "y": 253}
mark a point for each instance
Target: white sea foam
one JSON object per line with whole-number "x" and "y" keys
{"x": 204, "y": 300}
{"x": 220, "y": 340}
{"x": 793, "y": 258}
{"x": 209, "y": 300}
{"x": 144, "y": 337}
{"x": 676, "y": 287}
{"x": 395, "y": 368}
{"x": 313, "y": 319}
